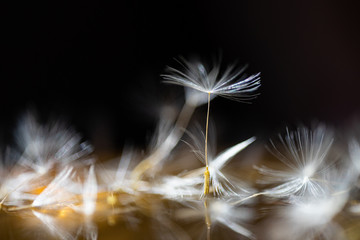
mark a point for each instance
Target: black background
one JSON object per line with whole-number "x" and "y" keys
{"x": 97, "y": 64}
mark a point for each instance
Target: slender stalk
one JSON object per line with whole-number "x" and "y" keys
{"x": 207, "y": 173}
{"x": 206, "y": 131}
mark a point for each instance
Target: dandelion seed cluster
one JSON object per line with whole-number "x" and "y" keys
{"x": 52, "y": 187}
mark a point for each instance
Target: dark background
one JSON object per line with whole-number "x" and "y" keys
{"x": 97, "y": 64}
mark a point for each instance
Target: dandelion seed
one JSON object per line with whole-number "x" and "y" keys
{"x": 305, "y": 154}
{"x": 50, "y": 146}
{"x": 230, "y": 84}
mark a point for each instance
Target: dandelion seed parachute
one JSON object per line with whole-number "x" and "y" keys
{"x": 305, "y": 156}
{"x": 230, "y": 84}
{"x": 44, "y": 148}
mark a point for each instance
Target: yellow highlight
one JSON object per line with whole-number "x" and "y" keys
{"x": 64, "y": 212}
{"x": 206, "y": 181}
{"x": 111, "y": 199}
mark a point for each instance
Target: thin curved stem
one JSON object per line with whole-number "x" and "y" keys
{"x": 206, "y": 132}
{"x": 207, "y": 173}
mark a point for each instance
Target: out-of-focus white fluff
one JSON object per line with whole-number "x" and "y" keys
{"x": 44, "y": 148}
{"x": 354, "y": 149}
{"x": 118, "y": 178}
{"x": 304, "y": 153}
{"x": 14, "y": 186}
{"x": 59, "y": 193}
{"x": 308, "y": 217}
{"x": 89, "y": 195}
{"x": 176, "y": 187}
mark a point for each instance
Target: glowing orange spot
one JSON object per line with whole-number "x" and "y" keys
{"x": 38, "y": 190}
{"x": 64, "y": 212}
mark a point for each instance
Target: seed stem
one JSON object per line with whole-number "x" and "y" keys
{"x": 206, "y": 131}
{"x": 207, "y": 173}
